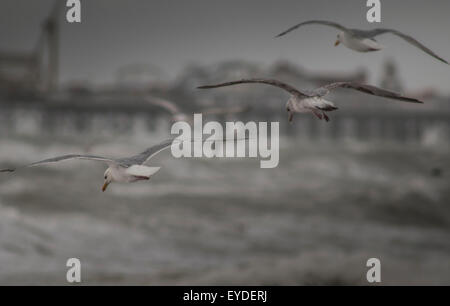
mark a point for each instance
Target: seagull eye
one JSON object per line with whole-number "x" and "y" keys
{"x": 105, "y": 177}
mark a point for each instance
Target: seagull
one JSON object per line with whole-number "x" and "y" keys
{"x": 363, "y": 40}
{"x": 122, "y": 170}
{"x": 313, "y": 100}
{"x": 172, "y": 108}
{"x": 178, "y": 115}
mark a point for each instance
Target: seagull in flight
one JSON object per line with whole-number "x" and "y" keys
{"x": 122, "y": 170}
{"x": 178, "y": 115}
{"x": 172, "y": 108}
{"x": 363, "y": 40}
{"x": 312, "y": 101}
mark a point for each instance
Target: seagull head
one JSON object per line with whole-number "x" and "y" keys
{"x": 339, "y": 39}
{"x": 108, "y": 179}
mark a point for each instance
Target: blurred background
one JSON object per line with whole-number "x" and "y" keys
{"x": 373, "y": 182}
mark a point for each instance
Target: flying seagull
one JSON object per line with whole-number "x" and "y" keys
{"x": 313, "y": 100}
{"x": 178, "y": 115}
{"x": 122, "y": 170}
{"x": 172, "y": 108}
{"x": 363, "y": 40}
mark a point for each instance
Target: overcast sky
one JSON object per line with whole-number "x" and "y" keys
{"x": 174, "y": 33}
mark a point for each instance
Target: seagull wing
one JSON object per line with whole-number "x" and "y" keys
{"x": 323, "y": 22}
{"x": 167, "y": 105}
{"x": 63, "y": 158}
{"x": 408, "y": 38}
{"x": 371, "y": 90}
{"x": 288, "y": 88}
{"x": 147, "y": 154}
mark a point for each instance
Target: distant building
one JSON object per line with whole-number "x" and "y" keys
{"x": 19, "y": 72}
{"x": 23, "y": 72}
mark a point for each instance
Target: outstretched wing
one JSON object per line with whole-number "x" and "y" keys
{"x": 288, "y": 88}
{"x": 63, "y": 158}
{"x": 323, "y": 22}
{"x": 147, "y": 154}
{"x": 371, "y": 90}
{"x": 408, "y": 38}
{"x": 167, "y": 105}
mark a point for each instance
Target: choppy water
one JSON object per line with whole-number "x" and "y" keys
{"x": 315, "y": 219}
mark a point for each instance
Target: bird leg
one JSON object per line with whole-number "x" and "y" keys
{"x": 290, "y": 116}
{"x": 326, "y": 117}
{"x": 318, "y": 115}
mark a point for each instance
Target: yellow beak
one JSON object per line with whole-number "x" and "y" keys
{"x": 105, "y": 186}
{"x": 337, "y": 43}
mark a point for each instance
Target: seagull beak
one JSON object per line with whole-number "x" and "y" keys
{"x": 105, "y": 185}
{"x": 337, "y": 43}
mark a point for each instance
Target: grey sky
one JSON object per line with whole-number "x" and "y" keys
{"x": 174, "y": 33}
